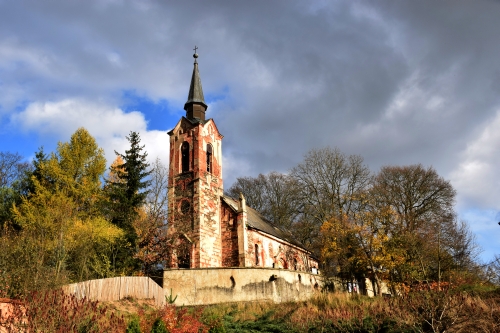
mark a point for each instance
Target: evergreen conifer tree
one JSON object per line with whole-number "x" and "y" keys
{"x": 127, "y": 192}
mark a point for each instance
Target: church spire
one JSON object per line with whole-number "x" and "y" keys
{"x": 195, "y": 106}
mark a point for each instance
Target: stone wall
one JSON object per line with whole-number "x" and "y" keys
{"x": 219, "y": 285}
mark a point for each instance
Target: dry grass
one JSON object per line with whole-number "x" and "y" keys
{"x": 447, "y": 311}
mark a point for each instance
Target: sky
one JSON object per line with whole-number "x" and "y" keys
{"x": 396, "y": 82}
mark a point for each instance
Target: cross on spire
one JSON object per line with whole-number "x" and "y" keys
{"x": 195, "y": 55}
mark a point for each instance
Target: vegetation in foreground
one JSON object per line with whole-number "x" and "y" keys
{"x": 423, "y": 311}
{"x": 62, "y": 220}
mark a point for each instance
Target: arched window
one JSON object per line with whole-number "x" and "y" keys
{"x": 209, "y": 157}
{"x": 256, "y": 255}
{"x": 185, "y": 156}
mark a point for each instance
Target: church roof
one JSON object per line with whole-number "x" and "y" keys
{"x": 256, "y": 221}
{"x": 195, "y": 89}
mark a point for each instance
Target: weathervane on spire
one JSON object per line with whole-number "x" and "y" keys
{"x": 195, "y": 55}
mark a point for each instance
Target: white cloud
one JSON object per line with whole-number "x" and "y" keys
{"x": 476, "y": 177}
{"x": 109, "y": 125}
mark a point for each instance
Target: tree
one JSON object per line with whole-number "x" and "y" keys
{"x": 275, "y": 196}
{"x": 13, "y": 173}
{"x": 12, "y": 168}
{"x": 330, "y": 182}
{"x": 62, "y": 213}
{"x": 153, "y": 243}
{"x": 253, "y": 189}
{"x": 423, "y": 216}
{"x": 357, "y": 246}
{"x": 127, "y": 191}
{"x": 157, "y": 197}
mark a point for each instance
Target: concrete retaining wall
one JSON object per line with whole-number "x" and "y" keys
{"x": 199, "y": 286}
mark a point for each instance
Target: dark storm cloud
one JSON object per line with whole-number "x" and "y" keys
{"x": 395, "y": 82}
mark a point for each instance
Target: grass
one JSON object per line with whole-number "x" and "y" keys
{"x": 450, "y": 311}
{"x": 459, "y": 310}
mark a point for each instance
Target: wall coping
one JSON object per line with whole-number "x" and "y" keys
{"x": 240, "y": 268}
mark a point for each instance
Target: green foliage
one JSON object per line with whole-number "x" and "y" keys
{"x": 134, "y": 326}
{"x": 262, "y": 323}
{"x": 159, "y": 326}
{"x": 126, "y": 191}
{"x": 170, "y": 299}
{"x": 214, "y": 321}
{"x": 61, "y": 216}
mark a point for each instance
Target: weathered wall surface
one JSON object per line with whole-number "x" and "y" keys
{"x": 264, "y": 250}
{"x": 229, "y": 233}
{"x": 194, "y": 194}
{"x": 114, "y": 289}
{"x": 238, "y": 284}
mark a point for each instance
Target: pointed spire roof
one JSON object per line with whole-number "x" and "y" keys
{"x": 195, "y": 95}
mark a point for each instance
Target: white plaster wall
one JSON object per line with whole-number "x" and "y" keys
{"x": 214, "y": 285}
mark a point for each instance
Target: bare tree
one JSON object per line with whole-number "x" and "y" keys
{"x": 157, "y": 198}
{"x": 330, "y": 182}
{"x": 275, "y": 196}
{"x": 153, "y": 245}
{"x": 14, "y": 178}
{"x": 253, "y": 189}
{"x": 459, "y": 241}
{"x": 12, "y": 168}
{"x": 492, "y": 271}
{"x": 419, "y": 196}
{"x": 423, "y": 219}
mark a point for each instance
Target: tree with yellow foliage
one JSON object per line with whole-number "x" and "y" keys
{"x": 63, "y": 213}
{"x": 358, "y": 244}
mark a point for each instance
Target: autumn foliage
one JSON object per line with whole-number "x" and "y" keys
{"x": 53, "y": 311}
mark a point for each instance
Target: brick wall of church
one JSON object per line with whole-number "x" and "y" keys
{"x": 210, "y": 247}
{"x": 209, "y": 192}
{"x": 229, "y": 232}
{"x": 201, "y": 187}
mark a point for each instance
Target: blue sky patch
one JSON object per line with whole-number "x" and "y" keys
{"x": 158, "y": 113}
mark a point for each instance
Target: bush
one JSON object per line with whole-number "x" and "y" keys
{"x": 133, "y": 326}
{"x": 159, "y": 326}
{"x": 54, "y": 311}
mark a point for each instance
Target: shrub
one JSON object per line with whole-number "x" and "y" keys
{"x": 174, "y": 319}
{"x": 159, "y": 326}
{"x": 54, "y": 311}
{"x": 133, "y": 326}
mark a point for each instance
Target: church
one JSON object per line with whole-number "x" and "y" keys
{"x": 207, "y": 228}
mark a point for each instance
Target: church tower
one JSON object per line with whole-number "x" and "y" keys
{"x": 195, "y": 184}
